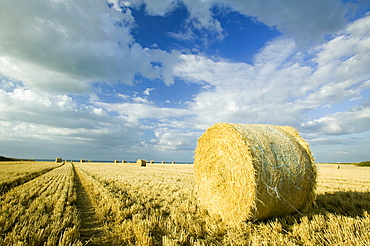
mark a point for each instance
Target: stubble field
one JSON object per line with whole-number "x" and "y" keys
{"x": 125, "y": 204}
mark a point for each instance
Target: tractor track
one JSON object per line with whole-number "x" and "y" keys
{"x": 91, "y": 228}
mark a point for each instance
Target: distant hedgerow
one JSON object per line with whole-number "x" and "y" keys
{"x": 363, "y": 164}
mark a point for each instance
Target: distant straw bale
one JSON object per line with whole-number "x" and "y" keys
{"x": 141, "y": 162}
{"x": 116, "y": 161}
{"x": 123, "y": 161}
{"x": 252, "y": 172}
{"x": 58, "y": 160}
{"x": 82, "y": 160}
{"x": 336, "y": 166}
{"x": 163, "y": 162}
{"x": 151, "y": 162}
{"x": 173, "y": 162}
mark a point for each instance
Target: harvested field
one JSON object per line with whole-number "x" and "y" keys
{"x": 125, "y": 204}
{"x": 158, "y": 206}
{"x": 41, "y": 211}
{"x": 13, "y": 174}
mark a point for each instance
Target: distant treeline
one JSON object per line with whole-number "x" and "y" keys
{"x": 363, "y": 164}
{"x": 3, "y": 158}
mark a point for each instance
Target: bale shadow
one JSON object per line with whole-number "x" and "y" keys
{"x": 344, "y": 203}
{"x": 347, "y": 203}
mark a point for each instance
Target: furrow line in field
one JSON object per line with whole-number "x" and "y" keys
{"x": 41, "y": 211}
{"x": 5, "y": 186}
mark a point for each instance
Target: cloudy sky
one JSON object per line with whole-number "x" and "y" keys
{"x": 113, "y": 79}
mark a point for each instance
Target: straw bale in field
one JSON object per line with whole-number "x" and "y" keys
{"x": 116, "y": 161}
{"x": 82, "y": 160}
{"x": 252, "y": 172}
{"x": 123, "y": 161}
{"x": 151, "y": 162}
{"x": 141, "y": 162}
{"x": 173, "y": 162}
{"x": 163, "y": 162}
{"x": 336, "y": 166}
{"x": 58, "y": 160}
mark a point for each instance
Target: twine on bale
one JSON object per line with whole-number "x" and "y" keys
{"x": 252, "y": 172}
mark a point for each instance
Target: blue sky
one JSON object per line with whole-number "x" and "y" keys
{"x": 114, "y": 79}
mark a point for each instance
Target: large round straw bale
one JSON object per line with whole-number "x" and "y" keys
{"x": 336, "y": 166}
{"x": 252, "y": 172}
{"x": 141, "y": 162}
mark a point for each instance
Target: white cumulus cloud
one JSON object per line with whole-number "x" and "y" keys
{"x": 356, "y": 120}
{"x": 65, "y": 46}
